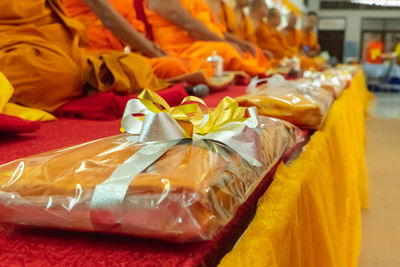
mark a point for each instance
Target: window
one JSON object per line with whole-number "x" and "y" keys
{"x": 389, "y": 30}
{"x": 332, "y": 24}
{"x": 347, "y": 4}
{"x": 374, "y": 24}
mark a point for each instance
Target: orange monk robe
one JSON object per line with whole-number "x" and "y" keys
{"x": 244, "y": 31}
{"x": 177, "y": 42}
{"x": 309, "y": 39}
{"x": 32, "y": 114}
{"x": 293, "y": 38}
{"x": 41, "y": 57}
{"x": 38, "y": 54}
{"x": 101, "y": 38}
{"x": 270, "y": 39}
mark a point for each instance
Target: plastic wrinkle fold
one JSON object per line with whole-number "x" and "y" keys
{"x": 188, "y": 194}
{"x": 300, "y": 102}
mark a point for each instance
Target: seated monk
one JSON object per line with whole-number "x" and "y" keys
{"x": 235, "y": 20}
{"x": 238, "y": 26}
{"x": 112, "y": 25}
{"x": 309, "y": 41}
{"x": 186, "y": 28}
{"x": 269, "y": 38}
{"x": 41, "y": 57}
{"x": 229, "y": 28}
{"x": 292, "y": 36}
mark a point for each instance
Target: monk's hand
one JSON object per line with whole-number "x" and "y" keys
{"x": 153, "y": 50}
{"x": 149, "y": 48}
{"x": 312, "y": 53}
{"x": 248, "y": 47}
{"x": 268, "y": 54}
{"x": 237, "y": 47}
{"x": 161, "y": 52}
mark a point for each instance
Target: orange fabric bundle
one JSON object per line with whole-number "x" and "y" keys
{"x": 188, "y": 194}
{"x": 300, "y": 104}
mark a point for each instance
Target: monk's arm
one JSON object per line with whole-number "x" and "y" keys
{"x": 121, "y": 28}
{"x": 173, "y": 11}
{"x": 274, "y": 47}
{"x": 314, "y": 52}
{"x": 266, "y": 41}
{"x": 315, "y": 49}
{"x": 244, "y": 46}
{"x": 268, "y": 54}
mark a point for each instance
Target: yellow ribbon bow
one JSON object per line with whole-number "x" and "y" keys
{"x": 151, "y": 121}
{"x": 190, "y": 110}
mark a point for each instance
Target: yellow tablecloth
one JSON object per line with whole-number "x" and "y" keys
{"x": 311, "y": 213}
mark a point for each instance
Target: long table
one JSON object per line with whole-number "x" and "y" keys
{"x": 311, "y": 213}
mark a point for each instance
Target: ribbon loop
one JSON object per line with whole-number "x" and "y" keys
{"x": 159, "y": 127}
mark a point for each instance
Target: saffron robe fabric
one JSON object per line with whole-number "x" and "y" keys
{"x": 40, "y": 54}
{"x": 10, "y": 110}
{"x": 244, "y": 31}
{"x": 177, "y": 42}
{"x": 271, "y": 39}
{"x": 293, "y": 38}
{"x": 101, "y": 38}
{"x": 310, "y": 40}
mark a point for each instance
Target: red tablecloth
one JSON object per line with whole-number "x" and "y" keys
{"x": 213, "y": 99}
{"x": 109, "y": 106}
{"x": 15, "y": 125}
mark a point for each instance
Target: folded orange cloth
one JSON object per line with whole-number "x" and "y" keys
{"x": 303, "y": 106}
{"x": 333, "y": 80}
{"x": 188, "y": 194}
{"x": 41, "y": 56}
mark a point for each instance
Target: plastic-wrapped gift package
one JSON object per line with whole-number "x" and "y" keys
{"x": 331, "y": 80}
{"x": 160, "y": 179}
{"x": 344, "y": 75}
{"x": 348, "y": 69}
{"x": 298, "y": 102}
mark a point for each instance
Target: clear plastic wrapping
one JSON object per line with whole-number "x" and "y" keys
{"x": 330, "y": 83}
{"x": 188, "y": 194}
{"x": 348, "y": 69}
{"x": 333, "y": 80}
{"x": 299, "y": 102}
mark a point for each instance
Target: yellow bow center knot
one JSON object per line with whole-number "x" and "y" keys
{"x": 193, "y": 115}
